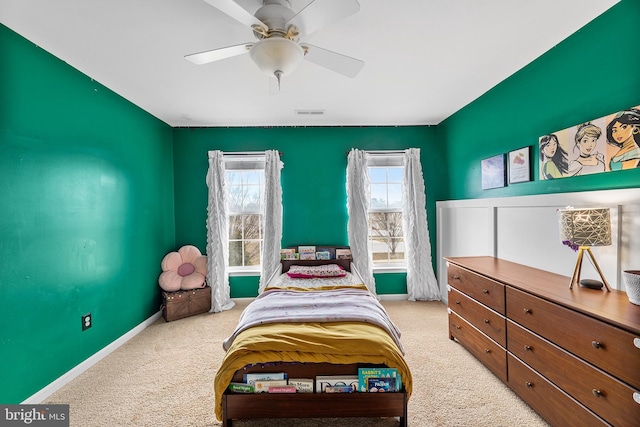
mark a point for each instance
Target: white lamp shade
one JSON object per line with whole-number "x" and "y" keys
{"x": 276, "y": 54}
{"x": 586, "y": 227}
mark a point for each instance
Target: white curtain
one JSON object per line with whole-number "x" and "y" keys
{"x": 357, "y": 207}
{"x": 272, "y": 217}
{"x": 218, "y": 235}
{"x": 421, "y": 280}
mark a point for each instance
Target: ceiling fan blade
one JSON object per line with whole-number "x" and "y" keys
{"x": 318, "y": 14}
{"x": 218, "y": 54}
{"x": 333, "y": 61}
{"x": 237, "y": 12}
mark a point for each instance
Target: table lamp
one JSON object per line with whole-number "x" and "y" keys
{"x": 584, "y": 228}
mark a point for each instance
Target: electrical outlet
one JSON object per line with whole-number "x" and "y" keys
{"x": 87, "y": 321}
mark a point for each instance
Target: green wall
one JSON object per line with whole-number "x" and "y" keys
{"x": 86, "y": 215}
{"x": 88, "y": 181}
{"x": 593, "y": 73}
{"x": 313, "y": 181}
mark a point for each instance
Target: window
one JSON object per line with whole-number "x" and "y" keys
{"x": 245, "y": 189}
{"x": 385, "y": 210}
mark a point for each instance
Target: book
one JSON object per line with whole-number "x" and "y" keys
{"x": 343, "y": 253}
{"x": 302, "y": 385}
{"x": 332, "y": 251}
{"x": 251, "y": 378}
{"x": 365, "y": 373}
{"x": 292, "y": 256}
{"x": 323, "y": 381}
{"x": 285, "y": 252}
{"x": 241, "y": 388}
{"x": 282, "y": 389}
{"x": 262, "y": 386}
{"x": 379, "y": 385}
{"x": 323, "y": 255}
{"x": 339, "y": 389}
{"x": 307, "y": 252}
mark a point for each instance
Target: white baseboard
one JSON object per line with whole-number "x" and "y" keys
{"x": 393, "y": 297}
{"x": 80, "y": 368}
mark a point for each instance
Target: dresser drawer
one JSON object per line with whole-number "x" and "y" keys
{"x": 482, "y": 347}
{"x": 483, "y": 318}
{"x": 606, "y": 396}
{"x": 608, "y": 347}
{"x": 487, "y": 291}
{"x": 554, "y": 405}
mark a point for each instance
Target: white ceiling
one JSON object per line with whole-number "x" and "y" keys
{"x": 424, "y": 59}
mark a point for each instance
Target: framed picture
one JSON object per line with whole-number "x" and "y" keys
{"x": 493, "y": 172}
{"x": 520, "y": 165}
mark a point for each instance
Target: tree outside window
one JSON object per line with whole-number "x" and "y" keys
{"x": 385, "y": 215}
{"x": 245, "y": 189}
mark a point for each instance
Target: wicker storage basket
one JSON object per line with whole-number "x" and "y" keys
{"x": 632, "y": 284}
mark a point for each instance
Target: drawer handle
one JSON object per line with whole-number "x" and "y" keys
{"x": 458, "y": 302}
{"x": 457, "y": 327}
{"x": 486, "y": 321}
{"x": 526, "y": 311}
{"x": 527, "y": 348}
{"x": 596, "y": 344}
{"x": 485, "y": 291}
{"x": 596, "y": 393}
{"x": 456, "y": 277}
{"x": 486, "y": 350}
{"x": 528, "y": 384}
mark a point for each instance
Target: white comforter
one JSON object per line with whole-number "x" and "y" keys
{"x": 339, "y": 305}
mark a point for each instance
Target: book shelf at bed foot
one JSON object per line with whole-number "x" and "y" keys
{"x": 314, "y": 405}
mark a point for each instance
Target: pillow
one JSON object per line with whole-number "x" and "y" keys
{"x": 307, "y": 272}
{"x": 183, "y": 270}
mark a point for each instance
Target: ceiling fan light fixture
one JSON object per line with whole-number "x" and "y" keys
{"x": 276, "y": 54}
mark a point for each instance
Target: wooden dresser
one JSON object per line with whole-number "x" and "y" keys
{"x": 572, "y": 354}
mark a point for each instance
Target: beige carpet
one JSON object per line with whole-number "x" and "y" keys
{"x": 164, "y": 377}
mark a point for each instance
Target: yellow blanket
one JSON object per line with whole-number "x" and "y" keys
{"x": 334, "y": 342}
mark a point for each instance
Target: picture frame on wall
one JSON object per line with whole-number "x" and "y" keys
{"x": 493, "y": 172}
{"x": 520, "y": 165}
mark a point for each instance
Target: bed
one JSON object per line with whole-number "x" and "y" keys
{"x": 296, "y": 326}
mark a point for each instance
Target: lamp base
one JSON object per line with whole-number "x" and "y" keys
{"x": 575, "y": 279}
{"x": 591, "y": 284}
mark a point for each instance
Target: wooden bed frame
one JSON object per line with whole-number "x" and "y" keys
{"x": 311, "y": 405}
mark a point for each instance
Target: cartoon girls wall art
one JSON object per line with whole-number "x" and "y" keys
{"x": 587, "y": 154}
{"x": 623, "y": 133}
{"x": 553, "y": 158}
{"x": 609, "y": 143}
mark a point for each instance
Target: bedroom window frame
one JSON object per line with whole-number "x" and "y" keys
{"x": 245, "y": 166}
{"x": 386, "y": 160}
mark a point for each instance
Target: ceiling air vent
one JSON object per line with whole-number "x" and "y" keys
{"x": 309, "y": 112}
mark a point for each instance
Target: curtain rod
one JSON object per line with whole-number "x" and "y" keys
{"x": 382, "y": 152}
{"x": 245, "y": 153}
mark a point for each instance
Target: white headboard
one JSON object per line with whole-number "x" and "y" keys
{"x": 524, "y": 229}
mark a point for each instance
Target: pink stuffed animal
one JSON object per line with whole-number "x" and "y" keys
{"x": 183, "y": 270}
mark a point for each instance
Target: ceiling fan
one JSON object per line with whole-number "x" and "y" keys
{"x": 278, "y": 30}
